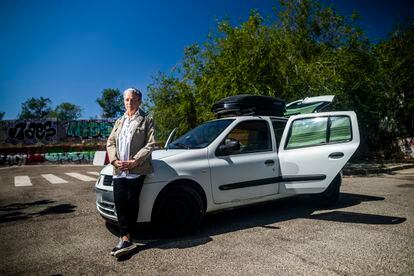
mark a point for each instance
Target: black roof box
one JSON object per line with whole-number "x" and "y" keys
{"x": 249, "y": 105}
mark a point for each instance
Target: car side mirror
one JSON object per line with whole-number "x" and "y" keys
{"x": 230, "y": 146}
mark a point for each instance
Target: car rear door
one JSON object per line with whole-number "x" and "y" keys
{"x": 314, "y": 148}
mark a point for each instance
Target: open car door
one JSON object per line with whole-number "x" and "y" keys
{"x": 314, "y": 148}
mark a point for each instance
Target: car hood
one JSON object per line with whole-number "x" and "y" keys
{"x": 156, "y": 155}
{"x": 162, "y": 154}
{"x": 107, "y": 170}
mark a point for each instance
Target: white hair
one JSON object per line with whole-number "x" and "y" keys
{"x": 133, "y": 91}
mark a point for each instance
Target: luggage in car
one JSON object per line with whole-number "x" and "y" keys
{"x": 249, "y": 105}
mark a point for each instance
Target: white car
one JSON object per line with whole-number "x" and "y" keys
{"x": 241, "y": 160}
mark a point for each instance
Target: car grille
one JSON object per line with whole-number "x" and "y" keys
{"x": 107, "y": 181}
{"x": 107, "y": 208}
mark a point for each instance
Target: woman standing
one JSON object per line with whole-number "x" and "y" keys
{"x": 129, "y": 149}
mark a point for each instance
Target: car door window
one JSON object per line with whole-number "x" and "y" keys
{"x": 254, "y": 136}
{"x": 308, "y": 132}
{"x": 340, "y": 129}
{"x": 278, "y": 128}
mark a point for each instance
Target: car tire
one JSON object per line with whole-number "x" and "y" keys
{"x": 178, "y": 211}
{"x": 330, "y": 196}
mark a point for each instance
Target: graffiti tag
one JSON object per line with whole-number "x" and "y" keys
{"x": 13, "y": 159}
{"x": 86, "y": 156}
{"x": 45, "y": 131}
{"x": 89, "y": 129}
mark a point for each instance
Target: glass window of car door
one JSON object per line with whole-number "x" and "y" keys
{"x": 308, "y": 132}
{"x": 278, "y": 128}
{"x": 253, "y": 135}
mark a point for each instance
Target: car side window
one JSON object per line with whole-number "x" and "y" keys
{"x": 309, "y": 132}
{"x": 254, "y": 136}
{"x": 278, "y": 128}
{"x": 340, "y": 129}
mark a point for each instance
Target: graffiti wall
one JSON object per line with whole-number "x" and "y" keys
{"x": 49, "y": 132}
{"x": 33, "y": 142}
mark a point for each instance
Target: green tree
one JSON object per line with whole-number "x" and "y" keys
{"x": 175, "y": 105}
{"x": 308, "y": 50}
{"x": 66, "y": 112}
{"x": 396, "y": 58}
{"x": 2, "y": 114}
{"x": 291, "y": 58}
{"x": 111, "y": 103}
{"x": 35, "y": 108}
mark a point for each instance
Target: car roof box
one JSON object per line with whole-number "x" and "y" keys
{"x": 249, "y": 105}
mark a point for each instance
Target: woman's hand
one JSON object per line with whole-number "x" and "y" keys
{"x": 125, "y": 165}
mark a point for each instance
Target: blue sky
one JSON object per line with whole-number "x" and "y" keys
{"x": 69, "y": 51}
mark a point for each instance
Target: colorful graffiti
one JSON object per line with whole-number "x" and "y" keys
{"x": 89, "y": 129}
{"x": 77, "y": 157}
{"x": 31, "y": 132}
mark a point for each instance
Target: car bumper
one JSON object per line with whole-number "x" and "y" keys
{"x": 105, "y": 204}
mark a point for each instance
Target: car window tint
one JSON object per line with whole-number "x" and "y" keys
{"x": 340, "y": 129}
{"x": 308, "y": 132}
{"x": 278, "y": 128}
{"x": 254, "y": 136}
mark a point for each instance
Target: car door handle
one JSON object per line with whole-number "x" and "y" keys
{"x": 269, "y": 162}
{"x": 336, "y": 155}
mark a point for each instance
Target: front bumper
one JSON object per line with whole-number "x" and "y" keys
{"x": 105, "y": 204}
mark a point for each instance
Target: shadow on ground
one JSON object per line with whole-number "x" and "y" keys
{"x": 400, "y": 176}
{"x": 23, "y": 211}
{"x": 263, "y": 215}
{"x": 408, "y": 185}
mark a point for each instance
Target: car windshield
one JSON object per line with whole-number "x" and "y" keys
{"x": 200, "y": 136}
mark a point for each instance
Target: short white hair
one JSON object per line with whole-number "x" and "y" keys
{"x": 133, "y": 91}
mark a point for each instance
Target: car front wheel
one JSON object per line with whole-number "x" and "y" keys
{"x": 178, "y": 211}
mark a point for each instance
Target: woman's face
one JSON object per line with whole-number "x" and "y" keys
{"x": 131, "y": 102}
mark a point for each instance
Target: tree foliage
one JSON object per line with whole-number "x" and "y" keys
{"x": 40, "y": 109}
{"x": 309, "y": 50}
{"x": 396, "y": 58}
{"x": 36, "y": 109}
{"x": 111, "y": 103}
{"x": 66, "y": 112}
{"x": 2, "y": 114}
